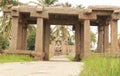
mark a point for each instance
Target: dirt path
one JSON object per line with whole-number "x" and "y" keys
{"x": 58, "y": 66}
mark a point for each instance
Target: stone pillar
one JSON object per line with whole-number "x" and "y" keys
{"x": 39, "y": 38}
{"x": 19, "y": 44}
{"x": 106, "y": 38}
{"x": 47, "y": 41}
{"x": 86, "y": 47}
{"x": 24, "y": 37}
{"x": 82, "y": 40}
{"x": 100, "y": 39}
{"x": 77, "y": 41}
{"x": 14, "y": 33}
{"x": 114, "y": 39}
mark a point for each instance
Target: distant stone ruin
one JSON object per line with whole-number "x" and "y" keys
{"x": 81, "y": 19}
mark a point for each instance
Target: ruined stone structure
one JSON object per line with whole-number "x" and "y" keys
{"x": 81, "y": 19}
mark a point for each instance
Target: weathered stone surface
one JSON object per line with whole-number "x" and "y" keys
{"x": 97, "y": 15}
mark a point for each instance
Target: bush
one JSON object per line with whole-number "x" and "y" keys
{"x": 31, "y": 40}
{"x": 4, "y": 44}
{"x": 101, "y": 66}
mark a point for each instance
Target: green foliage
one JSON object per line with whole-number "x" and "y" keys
{"x": 93, "y": 39}
{"x": 31, "y": 40}
{"x": 3, "y": 43}
{"x": 67, "y": 4}
{"x": 14, "y": 58}
{"x": 4, "y": 3}
{"x": 71, "y": 58}
{"x": 70, "y": 42}
{"x": 45, "y": 2}
{"x": 101, "y": 66}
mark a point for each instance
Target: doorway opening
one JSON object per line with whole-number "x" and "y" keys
{"x": 62, "y": 40}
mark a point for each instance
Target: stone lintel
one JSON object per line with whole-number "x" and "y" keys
{"x": 39, "y": 9}
{"x": 104, "y": 8}
{"x": 115, "y": 16}
{"x": 116, "y": 12}
{"x": 15, "y": 11}
{"x": 89, "y": 16}
{"x": 62, "y": 22}
{"x": 88, "y": 11}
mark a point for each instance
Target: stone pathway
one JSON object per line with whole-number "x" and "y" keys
{"x": 57, "y": 66}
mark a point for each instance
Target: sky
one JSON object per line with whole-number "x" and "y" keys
{"x": 87, "y": 3}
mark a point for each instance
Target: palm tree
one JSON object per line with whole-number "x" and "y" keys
{"x": 45, "y": 2}
{"x": 93, "y": 38}
{"x": 5, "y": 25}
{"x": 60, "y": 31}
{"x": 5, "y": 3}
{"x": 80, "y": 6}
{"x": 67, "y": 4}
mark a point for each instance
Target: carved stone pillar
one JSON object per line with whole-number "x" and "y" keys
{"x": 106, "y": 38}
{"x": 82, "y": 40}
{"x": 114, "y": 39}
{"x": 39, "y": 38}
{"x": 22, "y": 32}
{"x": 77, "y": 40}
{"x": 86, "y": 47}
{"x": 100, "y": 39}
{"x": 24, "y": 36}
{"x": 47, "y": 41}
{"x": 14, "y": 33}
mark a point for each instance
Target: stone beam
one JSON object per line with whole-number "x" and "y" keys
{"x": 62, "y": 22}
{"x": 15, "y": 11}
{"x": 115, "y": 16}
{"x": 89, "y": 16}
{"x": 66, "y": 11}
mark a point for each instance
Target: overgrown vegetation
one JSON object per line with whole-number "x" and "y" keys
{"x": 101, "y": 66}
{"x": 14, "y": 58}
{"x": 3, "y": 43}
{"x": 71, "y": 58}
{"x": 31, "y": 41}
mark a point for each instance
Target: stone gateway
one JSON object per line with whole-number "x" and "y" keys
{"x": 81, "y": 19}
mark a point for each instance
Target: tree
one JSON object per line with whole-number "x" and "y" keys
{"x": 67, "y": 4}
{"x": 45, "y": 2}
{"x": 3, "y": 43}
{"x": 5, "y": 3}
{"x": 31, "y": 40}
{"x": 5, "y": 25}
{"x": 93, "y": 38}
{"x": 61, "y": 31}
{"x": 80, "y": 6}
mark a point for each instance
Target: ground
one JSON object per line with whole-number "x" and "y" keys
{"x": 57, "y": 66}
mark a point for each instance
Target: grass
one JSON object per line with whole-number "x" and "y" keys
{"x": 71, "y": 58}
{"x": 14, "y": 58}
{"x": 101, "y": 66}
